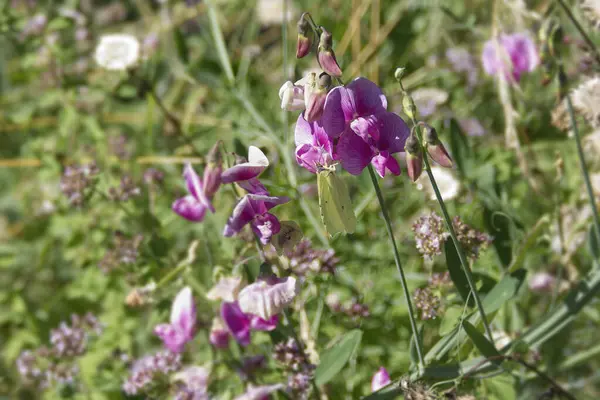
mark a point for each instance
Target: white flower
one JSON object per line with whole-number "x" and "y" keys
{"x": 447, "y": 183}
{"x": 586, "y": 100}
{"x": 270, "y": 12}
{"x": 265, "y": 300}
{"x": 226, "y": 289}
{"x": 117, "y": 52}
{"x": 292, "y": 97}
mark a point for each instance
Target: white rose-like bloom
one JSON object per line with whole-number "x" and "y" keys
{"x": 117, "y": 52}
{"x": 446, "y": 181}
{"x": 265, "y": 300}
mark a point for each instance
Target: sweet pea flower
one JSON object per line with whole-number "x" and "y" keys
{"x": 256, "y": 164}
{"x": 367, "y": 132}
{"x": 380, "y": 379}
{"x": 267, "y": 299}
{"x": 183, "y": 320}
{"x": 510, "y": 55}
{"x": 313, "y": 147}
{"x": 308, "y": 95}
{"x": 260, "y": 392}
{"x": 240, "y": 324}
{"x": 219, "y": 335}
{"x": 193, "y": 206}
{"x": 254, "y": 209}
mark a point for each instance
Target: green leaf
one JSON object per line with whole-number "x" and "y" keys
{"x": 451, "y": 317}
{"x": 460, "y": 148}
{"x": 498, "y": 225}
{"x": 182, "y": 49}
{"x": 456, "y": 272}
{"x": 503, "y": 291}
{"x": 334, "y": 359}
{"x": 484, "y": 346}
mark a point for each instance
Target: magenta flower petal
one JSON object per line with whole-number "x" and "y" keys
{"x": 393, "y": 132}
{"x": 259, "y": 324}
{"x": 194, "y": 186}
{"x": 367, "y": 97}
{"x": 236, "y": 322}
{"x": 353, "y": 152}
{"x": 253, "y": 186}
{"x": 265, "y": 226}
{"x": 257, "y": 163}
{"x": 172, "y": 338}
{"x": 512, "y": 55}
{"x": 248, "y": 208}
{"x": 303, "y": 131}
{"x": 380, "y": 379}
{"x": 338, "y": 111}
{"x": 189, "y": 208}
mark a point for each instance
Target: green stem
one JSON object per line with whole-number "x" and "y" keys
{"x": 390, "y": 232}
{"x": 284, "y": 40}
{"x": 581, "y": 31}
{"x": 459, "y": 249}
{"x": 584, "y": 170}
{"x": 171, "y": 275}
{"x": 217, "y": 34}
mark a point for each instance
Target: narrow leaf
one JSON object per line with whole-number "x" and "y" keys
{"x": 503, "y": 291}
{"x": 456, "y": 272}
{"x": 334, "y": 359}
{"x": 484, "y": 346}
{"x": 460, "y": 148}
{"x": 593, "y": 243}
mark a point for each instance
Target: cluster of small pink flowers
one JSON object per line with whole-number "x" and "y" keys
{"x": 125, "y": 191}
{"x": 304, "y": 258}
{"x": 125, "y": 251}
{"x": 430, "y": 235}
{"x": 472, "y": 240}
{"x": 148, "y": 370}
{"x": 76, "y": 180}
{"x": 440, "y": 280}
{"x": 293, "y": 358}
{"x": 56, "y": 364}
{"x": 153, "y": 176}
{"x": 353, "y": 308}
{"x": 427, "y": 302}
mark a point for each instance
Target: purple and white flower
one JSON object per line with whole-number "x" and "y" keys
{"x": 267, "y": 299}
{"x": 380, "y": 379}
{"x": 240, "y": 325}
{"x": 180, "y": 330}
{"x": 510, "y": 55}
{"x": 314, "y": 147}
{"x": 193, "y": 206}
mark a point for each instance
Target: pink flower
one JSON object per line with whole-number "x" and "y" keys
{"x": 260, "y": 392}
{"x": 367, "y": 132}
{"x": 380, "y": 379}
{"x": 541, "y": 282}
{"x": 267, "y": 299}
{"x": 183, "y": 320}
{"x": 240, "y": 324}
{"x": 193, "y": 206}
{"x": 313, "y": 147}
{"x": 510, "y": 55}
{"x": 254, "y": 209}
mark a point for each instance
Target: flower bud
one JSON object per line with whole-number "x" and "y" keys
{"x": 213, "y": 170}
{"x": 326, "y": 56}
{"x": 435, "y": 147}
{"x": 408, "y": 106}
{"x": 292, "y": 97}
{"x": 414, "y": 157}
{"x": 315, "y": 98}
{"x": 219, "y": 335}
{"x": 399, "y": 73}
{"x": 304, "y": 38}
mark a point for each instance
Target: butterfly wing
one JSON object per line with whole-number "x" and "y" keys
{"x": 334, "y": 200}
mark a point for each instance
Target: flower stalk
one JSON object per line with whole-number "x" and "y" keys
{"x": 390, "y": 233}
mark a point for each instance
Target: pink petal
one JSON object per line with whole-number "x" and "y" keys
{"x": 257, "y": 163}
{"x": 236, "y": 322}
{"x": 367, "y": 97}
{"x": 354, "y": 153}
{"x": 172, "y": 338}
{"x": 303, "y": 131}
{"x": 380, "y": 379}
{"x": 338, "y": 111}
{"x": 183, "y": 312}
{"x": 194, "y": 186}
{"x": 385, "y": 161}
{"x": 189, "y": 208}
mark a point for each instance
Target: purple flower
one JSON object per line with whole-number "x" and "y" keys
{"x": 193, "y": 206}
{"x": 219, "y": 335}
{"x": 240, "y": 324}
{"x": 356, "y": 114}
{"x": 313, "y": 146}
{"x": 380, "y": 379}
{"x": 510, "y": 55}
{"x": 254, "y": 209}
{"x": 267, "y": 299}
{"x": 256, "y": 164}
{"x": 183, "y": 320}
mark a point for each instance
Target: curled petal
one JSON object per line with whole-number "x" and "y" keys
{"x": 236, "y": 322}
{"x": 257, "y": 163}
{"x": 183, "y": 313}
{"x": 226, "y": 289}
{"x": 385, "y": 161}
{"x": 265, "y": 300}
{"x": 189, "y": 208}
{"x": 353, "y": 152}
{"x": 380, "y": 379}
